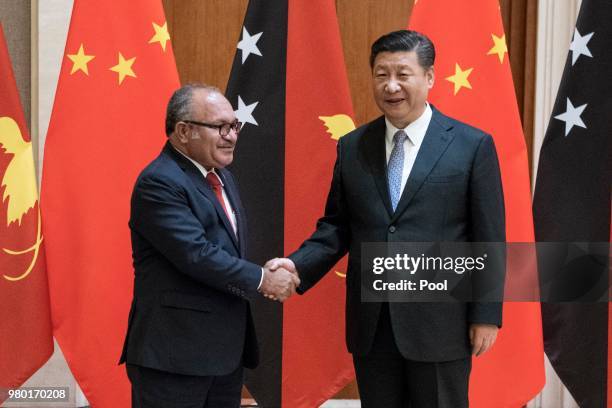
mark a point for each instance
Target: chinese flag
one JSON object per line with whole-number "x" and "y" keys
{"x": 27, "y": 340}
{"x": 474, "y": 84}
{"x": 117, "y": 75}
{"x": 316, "y": 364}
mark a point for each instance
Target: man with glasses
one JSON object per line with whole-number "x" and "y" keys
{"x": 190, "y": 329}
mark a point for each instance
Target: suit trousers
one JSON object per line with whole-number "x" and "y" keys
{"x": 160, "y": 389}
{"x": 386, "y": 379}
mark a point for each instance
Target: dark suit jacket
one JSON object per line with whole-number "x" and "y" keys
{"x": 190, "y": 313}
{"x": 453, "y": 193}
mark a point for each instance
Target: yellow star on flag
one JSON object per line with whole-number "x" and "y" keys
{"x": 80, "y": 60}
{"x": 499, "y": 47}
{"x": 460, "y": 79}
{"x": 124, "y": 68}
{"x": 161, "y": 35}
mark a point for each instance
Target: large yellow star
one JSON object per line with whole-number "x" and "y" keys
{"x": 499, "y": 47}
{"x": 80, "y": 60}
{"x": 124, "y": 68}
{"x": 161, "y": 35}
{"x": 460, "y": 79}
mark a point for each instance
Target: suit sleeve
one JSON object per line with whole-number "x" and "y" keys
{"x": 162, "y": 215}
{"x": 329, "y": 243}
{"x": 488, "y": 226}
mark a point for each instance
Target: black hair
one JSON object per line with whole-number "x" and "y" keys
{"x": 405, "y": 40}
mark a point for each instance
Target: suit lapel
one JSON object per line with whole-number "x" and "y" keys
{"x": 374, "y": 151}
{"x": 436, "y": 140}
{"x": 234, "y": 198}
{"x": 198, "y": 180}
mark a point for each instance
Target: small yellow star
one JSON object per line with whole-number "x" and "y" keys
{"x": 499, "y": 47}
{"x": 124, "y": 68}
{"x": 161, "y": 35}
{"x": 80, "y": 60}
{"x": 460, "y": 79}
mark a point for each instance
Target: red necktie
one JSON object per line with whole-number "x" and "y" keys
{"x": 215, "y": 184}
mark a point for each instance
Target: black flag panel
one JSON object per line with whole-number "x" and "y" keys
{"x": 572, "y": 198}
{"x": 256, "y": 89}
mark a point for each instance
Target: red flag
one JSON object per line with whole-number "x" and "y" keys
{"x": 474, "y": 84}
{"x": 316, "y": 364}
{"x": 117, "y": 75}
{"x": 27, "y": 341}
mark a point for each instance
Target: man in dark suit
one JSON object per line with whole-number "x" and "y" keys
{"x": 190, "y": 330}
{"x": 412, "y": 175}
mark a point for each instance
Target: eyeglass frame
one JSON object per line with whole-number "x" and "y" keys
{"x": 236, "y": 125}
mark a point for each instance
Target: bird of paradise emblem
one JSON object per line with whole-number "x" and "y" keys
{"x": 20, "y": 194}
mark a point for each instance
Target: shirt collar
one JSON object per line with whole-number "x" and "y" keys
{"x": 415, "y": 130}
{"x": 199, "y": 166}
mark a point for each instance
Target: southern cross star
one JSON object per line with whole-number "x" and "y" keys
{"x": 579, "y": 46}
{"x": 248, "y": 44}
{"x": 571, "y": 116}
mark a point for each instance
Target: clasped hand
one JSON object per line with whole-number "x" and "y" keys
{"x": 280, "y": 279}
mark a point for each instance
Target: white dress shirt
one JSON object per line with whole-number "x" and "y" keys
{"x": 416, "y": 132}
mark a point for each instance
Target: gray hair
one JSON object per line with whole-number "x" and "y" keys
{"x": 180, "y": 104}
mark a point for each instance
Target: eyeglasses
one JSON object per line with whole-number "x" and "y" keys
{"x": 223, "y": 128}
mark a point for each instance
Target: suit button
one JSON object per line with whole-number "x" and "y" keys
{"x": 392, "y": 229}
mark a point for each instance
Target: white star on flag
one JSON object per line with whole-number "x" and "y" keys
{"x": 571, "y": 116}
{"x": 248, "y": 44}
{"x": 244, "y": 113}
{"x": 579, "y": 46}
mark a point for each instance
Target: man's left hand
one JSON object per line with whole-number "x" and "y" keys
{"x": 482, "y": 337}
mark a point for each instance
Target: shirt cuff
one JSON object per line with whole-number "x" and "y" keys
{"x": 261, "y": 279}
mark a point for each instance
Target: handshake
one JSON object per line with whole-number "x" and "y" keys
{"x": 280, "y": 279}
